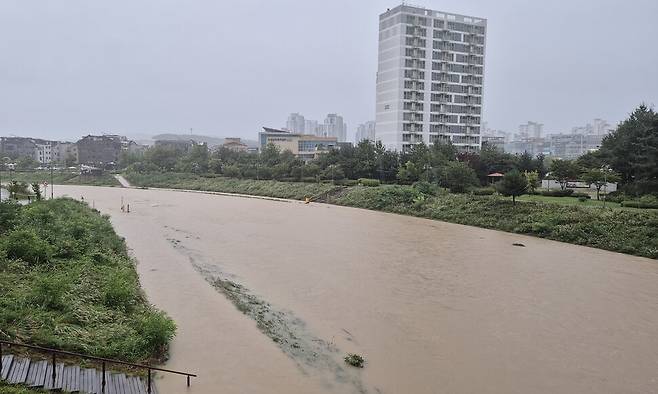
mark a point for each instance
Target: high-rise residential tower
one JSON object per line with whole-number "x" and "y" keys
{"x": 429, "y": 78}
{"x": 365, "y": 131}
{"x": 334, "y": 126}
{"x": 296, "y": 123}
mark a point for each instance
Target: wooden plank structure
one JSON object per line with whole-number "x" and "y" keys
{"x": 69, "y": 378}
{"x": 52, "y": 375}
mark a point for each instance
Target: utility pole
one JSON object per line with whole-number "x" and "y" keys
{"x": 52, "y": 186}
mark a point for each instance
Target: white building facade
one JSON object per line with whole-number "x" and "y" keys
{"x": 430, "y": 78}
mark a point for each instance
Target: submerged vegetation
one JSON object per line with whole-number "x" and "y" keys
{"x": 628, "y": 231}
{"x": 66, "y": 281}
{"x": 355, "y": 360}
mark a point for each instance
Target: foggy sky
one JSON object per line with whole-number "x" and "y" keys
{"x": 73, "y": 67}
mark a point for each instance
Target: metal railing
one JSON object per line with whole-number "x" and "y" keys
{"x": 104, "y": 361}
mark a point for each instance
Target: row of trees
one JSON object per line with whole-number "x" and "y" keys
{"x": 630, "y": 155}
{"x": 439, "y": 163}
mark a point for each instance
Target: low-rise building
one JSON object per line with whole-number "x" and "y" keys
{"x": 235, "y": 145}
{"x": 99, "y": 150}
{"x": 17, "y": 147}
{"x": 65, "y": 153}
{"x": 304, "y": 146}
{"x": 495, "y": 141}
{"x": 181, "y": 146}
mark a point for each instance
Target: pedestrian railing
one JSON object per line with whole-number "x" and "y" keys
{"x": 103, "y": 361}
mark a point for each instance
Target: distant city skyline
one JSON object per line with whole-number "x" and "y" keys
{"x": 80, "y": 67}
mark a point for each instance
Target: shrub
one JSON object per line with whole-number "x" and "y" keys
{"x": 347, "y": 182}
{"x": 557, "y": 193}
{"x": 8, "y": 215}
{"x": 119, "y": 292}
{"x": 369, "y": 182}
{"x": 355, "y": 360}
{"x": 459, "y": 177}
{"x": 483, "y": 191}
{"x": 581, "y": 195}
{"x": 27, "y": 246}
{"x": 583, "y": 198}
{"x": 49, "y": 292}
{"x": 425, "y": 187}
{"x": 156, "y": 330}
{"x": 616, "y": 196}
{"x": 644, "y": 203}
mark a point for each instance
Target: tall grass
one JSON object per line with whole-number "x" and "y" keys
{"x": 66, "y": 281}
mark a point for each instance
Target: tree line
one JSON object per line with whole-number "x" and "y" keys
{"x": 629, "y": 155}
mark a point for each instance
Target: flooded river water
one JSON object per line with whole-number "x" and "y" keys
{"x": 270, "y": 295}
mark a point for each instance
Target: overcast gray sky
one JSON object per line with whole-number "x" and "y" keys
{"x": 71, "y": 67}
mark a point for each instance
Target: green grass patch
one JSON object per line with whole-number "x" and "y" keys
{"x": 60, "y": 177}
{"x": 266, "y": 188}
{"x": 67, "y": 282}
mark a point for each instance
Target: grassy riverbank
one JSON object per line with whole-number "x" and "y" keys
{"x": 60, "y": 178}
{"x": 619, "y": 230}
{"x": 66, "y": 281}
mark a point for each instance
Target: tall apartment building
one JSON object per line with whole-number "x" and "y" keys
{"x": 365, "y": 131}
{"x": 530, "y": 130}
{"x": 296, "y": 123}
{"x": 334, "y": 126}
{"x": 429, "y": 78}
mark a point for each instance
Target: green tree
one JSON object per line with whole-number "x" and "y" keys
{"x": 563, "y": 171}
{"x": 15, "y": 188}
{"x": 632, "y": 150}
{"x": 513, "y": 184}
{"x": 598, "y": 177}
{"x": 525, "y": 163}
{"x": 459, "y": 177}
{"x": 26, "y": 163}
{"x": 162, "y": 156}
{"x": 36, "y": 188}
{"x": 590, "y": 160}
{"x": 408, "y": 173}
{"x": 533, "y": 180}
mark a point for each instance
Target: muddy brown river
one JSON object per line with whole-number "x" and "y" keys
{"x": 270, "y": 295}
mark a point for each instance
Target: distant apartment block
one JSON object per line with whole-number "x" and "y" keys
{"x": 365, "y": 131}
{"x": 530, "y": 130}
{"x": 334, "y": 126}
{"x": 296, "y": 123}
{"x": 497, "y": 142}
{"x": 17, "y": 147}
{"x": 100, "y": 150}
{"x": 303, "y": 146}
{"x": 180, "y": 146}
{"x": 65, "y": 153}
{"x": 311, "y": 126}
{"x": 429, "y": 78}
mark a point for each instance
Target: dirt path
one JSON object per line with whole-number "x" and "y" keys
{"x": 434, "y": 307}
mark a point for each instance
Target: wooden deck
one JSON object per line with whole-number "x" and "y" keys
{"x": 68, "y": 378}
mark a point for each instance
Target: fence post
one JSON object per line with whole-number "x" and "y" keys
{"x": 54, "y": 372}
{"x": 188, "y": 380}
{"x": 0, "y": 342}
{"x": 103, "y": 379}
{"x": 148, "y": 389}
